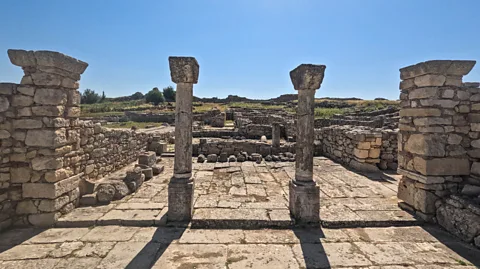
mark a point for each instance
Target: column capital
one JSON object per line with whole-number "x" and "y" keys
{"x": 307, "y": 76}
{"x": 183, "y": 69}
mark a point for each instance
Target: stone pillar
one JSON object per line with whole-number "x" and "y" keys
{"x": 433, "y": 142}
{"x": 184, "y": 72}
{"x": 46, "y": 113}
{"x": 276, "y": 134}
{"x": 304, "y": 193}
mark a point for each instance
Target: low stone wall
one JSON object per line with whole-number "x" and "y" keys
{"x": 256, "y": 131}
{"x": 10, "y": 191}
{"x": 354, "y": 146}
{"x": 150, "y": 117}
{"x": 461, "y": 217}
{"x": 104, "y": 150}
{"x": 389, "y": 149}
{"x": 215, "y": 133}
{"x": 375, "y": 123}
{"x": 234, "y": 147}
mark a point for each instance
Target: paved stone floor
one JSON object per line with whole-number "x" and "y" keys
{"x": 164, "y": 247}
{"x": 250, "y": 195}
{"x": 369, "y": 230}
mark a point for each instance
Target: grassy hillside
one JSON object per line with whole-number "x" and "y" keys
{"x": 325, "y": 107}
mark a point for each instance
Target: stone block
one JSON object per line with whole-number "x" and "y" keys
{"x": 419, "y": 199}
{"x": 72, "y": 112}
{"x": 425, "y": 92}
{"x": 147, "y": 158}
{"x": 304, "y": 203}
{"x": 361, "y": 153}
{"x": 426, "y": 145}
{"x": 52, "y": 205}
{"x": 46, "y": 96}
{"x": 57, "y": 175}
{"x": 157, "y": 169}
{"x": 46, "y": 163}
{"x": 22, "y": 100}
{"x": 44, "y": 219}
{"x": 27, "y": 124}
{"x": 4, "y": 104}
{"x": 460, "y": 68}
{"x": 184, "y": 69}
{"x": 50, "y": 111}
{"x": 307, "y": 76}
{"x": 430, "y": 80}
{"x": 59, "y": 60}
{"x": 420, "y": 112}
{"x": 50, "y": 190}
{"x": 180, "y": 200}
{"x": 134, "y": 179}
{"x": 442, "y": 166}
{"x": 21, "y": 58}
{"x": 20, "y": 174}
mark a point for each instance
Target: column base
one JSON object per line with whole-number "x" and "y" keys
{"x": 304, "y": 201}
{"x": 180, "y": 200}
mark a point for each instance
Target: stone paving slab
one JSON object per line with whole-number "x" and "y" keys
{"x": 250, "y": 195}
{"x": 163, "y": 247}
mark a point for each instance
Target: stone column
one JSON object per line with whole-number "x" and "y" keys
{"x": 275, "y": 134}
{"x": 304, "y": 193}
{"x": 184, "y": 72}
{"x": 434, "y": 142}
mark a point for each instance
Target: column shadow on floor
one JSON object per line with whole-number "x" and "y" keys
{"x": 16, "y": 236}
{"x": 153, "y": 250}
{"x": 314, "y": 255}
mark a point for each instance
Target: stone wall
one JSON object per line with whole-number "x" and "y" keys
{"x": 355, "y": 146}
{"x": 389, "y": 149}
{"x": 439, "y": 146}
{"x": 44, "y": 110}
{"x": 375, "y": 123}
{"x": 10, "y": 191}
{"x": 234, "y": 147}
{"x": 150, "y": 117}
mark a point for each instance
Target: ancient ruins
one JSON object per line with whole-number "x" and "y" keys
{"x": 390, "y": 181}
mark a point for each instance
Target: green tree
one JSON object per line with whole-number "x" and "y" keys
{"x": 103, "y": 97}
{"x": 137, "y": 96}
{"x": 169, "y": 94}
{"x": 90, "y": 97}
{"x": 154, "y": 96}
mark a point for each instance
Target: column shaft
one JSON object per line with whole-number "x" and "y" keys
{"x": 305, "y": 135}
{"x": 276, "y": 135}
{"x": 183, "y": 131}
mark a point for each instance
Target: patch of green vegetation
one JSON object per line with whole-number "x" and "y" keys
{"x": 462, "y": 262}
{"x": 130, "y": 124}
{"x": 254, "y": 105}
{"x": 327, "y": 113}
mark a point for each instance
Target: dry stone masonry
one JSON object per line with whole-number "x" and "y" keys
{"x": 39, "y": 121}
{"x": 438, "y": 148}
{"x": 49, "y": 157}
{"x": 357, "y": 147}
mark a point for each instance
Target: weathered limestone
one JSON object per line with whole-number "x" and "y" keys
{"x": 39, "y": 118}
{"x": 276, "y": 131}
{"x": 304, "y": 193}
{"x": 184, "y": 72}
{"x": 435, "y": 140}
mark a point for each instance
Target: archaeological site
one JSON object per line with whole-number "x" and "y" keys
{"x": 240, "y": 187}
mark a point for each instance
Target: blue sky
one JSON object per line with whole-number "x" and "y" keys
{"x": 244, "y": 47}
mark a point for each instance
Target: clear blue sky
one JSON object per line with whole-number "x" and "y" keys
{"x": 244, "y": 47}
